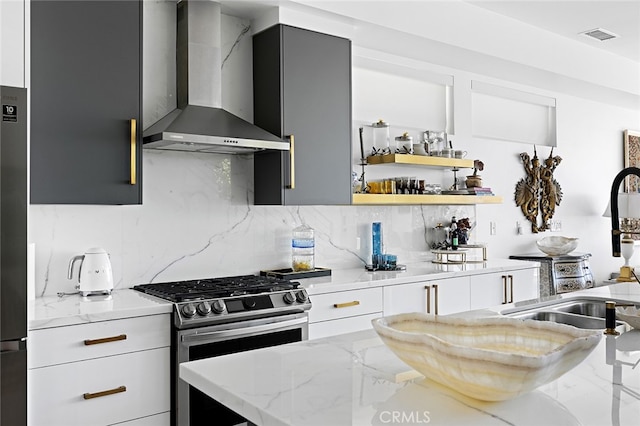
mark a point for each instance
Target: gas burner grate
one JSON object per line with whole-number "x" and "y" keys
{"x": 208, "y": 288}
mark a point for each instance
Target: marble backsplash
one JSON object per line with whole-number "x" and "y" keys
{"x": 198, "y": 220}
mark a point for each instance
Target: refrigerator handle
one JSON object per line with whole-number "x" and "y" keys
{"x": 13, "y": 345}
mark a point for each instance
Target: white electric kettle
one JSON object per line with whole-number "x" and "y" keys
{"x": 95, "y": 275}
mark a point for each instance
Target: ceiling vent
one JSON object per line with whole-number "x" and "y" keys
{"x": 600, "y": 34}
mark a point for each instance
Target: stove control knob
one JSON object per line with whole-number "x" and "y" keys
{"x": 218, "y": 306}
{"x": 189, "y": 310}
{"x": 289, "y": 298}
{"x": 302, "y": 297}
{"x": 249, "y": 303}
{"x": 204, "y": 308}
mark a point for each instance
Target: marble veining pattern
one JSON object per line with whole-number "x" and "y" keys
{"x": 243, "y": 32}
{"x": 198, "y": 220}
{"x": 54, "y": 311}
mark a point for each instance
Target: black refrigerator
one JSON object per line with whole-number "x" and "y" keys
{"x": 13, "y": 256}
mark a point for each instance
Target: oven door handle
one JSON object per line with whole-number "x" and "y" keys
{"x": 221, "y": 334}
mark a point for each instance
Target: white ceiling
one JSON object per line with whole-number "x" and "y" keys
{"x": 569, "y": 18}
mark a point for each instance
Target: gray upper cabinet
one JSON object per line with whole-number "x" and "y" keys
{"x": 86, "y": 102}
{"x": 302, "y": 87}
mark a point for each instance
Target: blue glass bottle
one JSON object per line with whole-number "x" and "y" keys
{"x": 376, "y": 235}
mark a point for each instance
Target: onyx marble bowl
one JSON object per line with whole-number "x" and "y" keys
{"x": 557, "y": 246}
{"x": 490, "y": 359}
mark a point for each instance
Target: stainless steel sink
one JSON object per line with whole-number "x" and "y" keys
{"x": 587, "y": 308}
{"x": 578, "y": 321}
{"x": 585, "y": 313}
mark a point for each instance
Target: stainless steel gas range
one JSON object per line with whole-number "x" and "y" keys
{"x": 220, "y": 316}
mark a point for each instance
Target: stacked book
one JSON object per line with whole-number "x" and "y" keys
{"x": 479, "y": 191}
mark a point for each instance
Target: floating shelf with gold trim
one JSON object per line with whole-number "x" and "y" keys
{"x": 414, "y": 199}
{"x": 420, "y": 160}
{"x": 381, "y": 199}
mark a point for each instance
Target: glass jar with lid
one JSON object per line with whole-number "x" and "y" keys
{"x": 303, "y": 249}
{"x": 381, "y": 142}
{"x": 404, "y": 143}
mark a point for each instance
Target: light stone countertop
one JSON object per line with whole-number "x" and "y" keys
{"x": 358, "y": 278}
{"x": 353, "y": 379}
{"x": 54, "y": 311}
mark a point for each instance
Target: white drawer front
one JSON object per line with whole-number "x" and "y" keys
{"x": 322, "y": 329}
{"x": 67, "y": 344}
{"x": 56, "y": 393}
{"x": 163, "y": 419}
{"x": 344, "y": 304}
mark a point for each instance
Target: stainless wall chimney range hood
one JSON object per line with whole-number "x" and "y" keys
{"x": 199, "y": 124}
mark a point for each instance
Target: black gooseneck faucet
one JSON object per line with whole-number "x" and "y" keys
{"x": 615, "y": 220}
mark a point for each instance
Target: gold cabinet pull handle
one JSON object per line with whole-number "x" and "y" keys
{"x": 435, "y": 295}
{"x": 511, "y": 288}
{"x": 132, "y": 155}
{"x": 427, "y": 289}
{"x": 89, "y": 342}
{"x": 119, "y": 389}
{"x": 347, "y": 304}
{"x": 504, "y": 287}
{"x": 292, "y": 163}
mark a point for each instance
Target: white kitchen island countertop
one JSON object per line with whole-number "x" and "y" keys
{"x": 353, "y": 379}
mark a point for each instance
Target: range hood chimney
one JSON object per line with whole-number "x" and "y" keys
{"x": 199, "y": 123}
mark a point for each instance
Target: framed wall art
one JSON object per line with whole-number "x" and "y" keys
{"x": 631, "y": 158}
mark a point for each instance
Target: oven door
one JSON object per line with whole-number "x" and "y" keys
{"x": 194, "y": 407}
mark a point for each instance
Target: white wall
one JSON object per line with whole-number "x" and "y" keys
{"x": 12, "y": 42}
{"x": 198, "y": 220}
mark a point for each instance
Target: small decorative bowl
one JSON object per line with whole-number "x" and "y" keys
{"x": 557, "y": 246}
{"x": 630, "y": 315}
{"x": 490, "y": 359}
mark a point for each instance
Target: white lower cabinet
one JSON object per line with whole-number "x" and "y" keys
{"x": 101, "y": 391}
{"x": 322, "y": 329}
{"x": 343, "y": 311}
{"x": 459, "y": 294}
{"x": 502, "y": 288}
{"x": 440, "y": 297}
{"x": 59, "y": 345}
{"x": 101, "y": 373}
{"x": 346, "y": 311}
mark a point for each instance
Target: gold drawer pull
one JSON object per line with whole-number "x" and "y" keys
{"x": 119, "y": 389}
{"x": 435, "y": 294}
{"x": 428, "y": 301}
{"x": 347, "y": 304}
{"x": 132, "y": 155}
{"x": 89, "y": 342}
{"x": 504, "y": 286}
{"x": 292, "y": 163}
{"x": 511, "y": 288}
